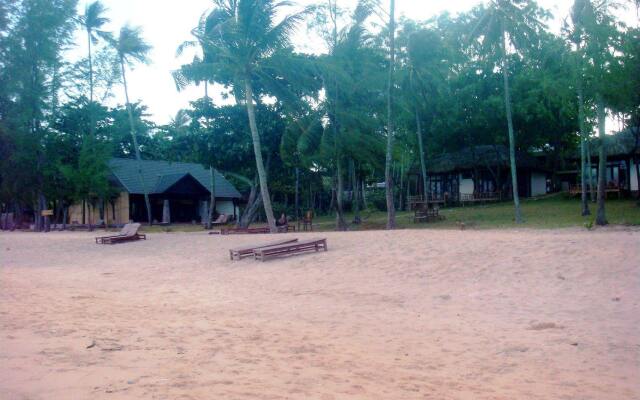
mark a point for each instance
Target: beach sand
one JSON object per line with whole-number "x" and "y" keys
{"x": 410, "y": 314}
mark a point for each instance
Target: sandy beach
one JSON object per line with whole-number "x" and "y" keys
{"x": 381, "y": 315}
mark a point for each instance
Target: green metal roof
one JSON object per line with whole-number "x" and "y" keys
{"x": 158, "y": 176}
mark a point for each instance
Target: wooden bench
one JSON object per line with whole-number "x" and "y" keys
{"x": 576, "y": 190}
{"x": 266, "y": 253}
{"x": 484, "y": 197}
{"x": 427, "y": 215}
{"x": 240, "y": 252}
{"x": 245, "y": 231}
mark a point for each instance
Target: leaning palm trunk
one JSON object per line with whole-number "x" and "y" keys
{"x": 135, "y": 143}
{"x": 601, "y": 218}
{"x": 391, "y": 209}
{"x": 423, "y": 164}
{"x": 512, "y": 145}
{"x": 257, "y": 148}
{"x": 583, "y": 139}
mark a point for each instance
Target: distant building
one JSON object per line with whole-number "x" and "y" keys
{"x": 184, "y": 187}
{"x": 481, "y": 170}
{"x": 623, "y": 156}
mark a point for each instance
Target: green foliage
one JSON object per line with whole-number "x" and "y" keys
{"x": 323, "y": 114}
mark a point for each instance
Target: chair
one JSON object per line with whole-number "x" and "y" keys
{"x": 128, "y": 233}
{"x": 307, "y": 221}
{"x": 221, "y": 220}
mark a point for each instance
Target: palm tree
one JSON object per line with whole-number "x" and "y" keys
{"x": 601, "y": 42}
{"x": 238, "y": 37}
{"x": 92, "y": 20}
{"x": 391, "y": 209}
{"x": 507, "y": 23}
{"x": 132, "y": 48}
{"x": 576, "y": 35}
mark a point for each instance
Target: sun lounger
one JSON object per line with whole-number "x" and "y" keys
{"x": 244, "y": 231}
{"x": 128, "y": 233}
{"x": 240, "y": 252}
{"x": 266, "y": 253}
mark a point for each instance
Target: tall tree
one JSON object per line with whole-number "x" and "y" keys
{"x": 238, "y": 37}
{"x": 576, "y": 37}
{"x": 92, "y": 20}
{"x": 602, "y": 42}
{"x": 388, "y": 178}
{"x": 506, "y": 23}
{"x": 132, "y": 48}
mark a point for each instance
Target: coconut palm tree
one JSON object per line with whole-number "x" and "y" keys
{"x": 132, "y": 48}
{"x": 601, "y": 43}
{"x": 391, "y": 208}
{"x": 575, "y": 36}
{"x": 237, "y": 38}
{"x": 506, "y": 23}
{"x": 92, "y": 20}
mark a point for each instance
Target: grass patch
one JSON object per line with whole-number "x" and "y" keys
{"x": 546, "y": 213}
{"x": 556, "y": 211}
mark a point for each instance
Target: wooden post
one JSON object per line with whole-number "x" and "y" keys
{"x": 166, "y": 212}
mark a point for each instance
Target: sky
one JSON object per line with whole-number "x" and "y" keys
{"x": 167, "y": 24}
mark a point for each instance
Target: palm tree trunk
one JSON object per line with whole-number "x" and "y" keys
{"x": 601, "y": 218}
{"x": 592, "y": 196}
{"x": 341, "y": 223}
{"x": 423, "y": 164}
{"x": 391, "y": 210}
{"x": 297, "y": 199}
{"x": 257, "y": 149}
{"x": 583, "y": 139}
{"x": 135, "y": 143}
{"x": 512, "y": 144}
{"x": 90, "y": 67}
{"x": 355, "y": 197}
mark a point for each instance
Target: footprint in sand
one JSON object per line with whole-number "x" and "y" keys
{"x": 545, "y": 325}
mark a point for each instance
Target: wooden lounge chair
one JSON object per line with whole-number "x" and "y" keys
{"x": 266, "y": 253}
{"x": 240, "y": 252}
{"x": 128, "y": 233}
{"x": 244, "y": 231}
{"x": 221, "y": 220}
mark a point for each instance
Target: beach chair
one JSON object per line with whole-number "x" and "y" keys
{"x": 243, "y": 231}
{"x": 240, "y": 252}
{"x": 305, "y": 246}
{"x": 307, "y": 221}
{"x": 128, "y": 233}
{"x": 222, "y": 220}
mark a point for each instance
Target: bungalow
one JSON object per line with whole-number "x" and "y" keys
{"x": 481, "y": 171}
{"x": 623, "y": 158}
{"x": 181, "y": 190}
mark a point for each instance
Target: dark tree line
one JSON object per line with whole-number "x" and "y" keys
{"x": 311, "y": 131}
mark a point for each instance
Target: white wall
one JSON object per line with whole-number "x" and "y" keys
{"x": 225, "y": 207}
{"x": 634, "y": 177}
{"x": 538, "y": 184}
{"x": 466, "y": 186}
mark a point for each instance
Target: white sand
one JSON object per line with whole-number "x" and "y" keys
{"x": 382, "y": 315}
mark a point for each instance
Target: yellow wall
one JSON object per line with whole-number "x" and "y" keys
{"x": 92, "y": 214}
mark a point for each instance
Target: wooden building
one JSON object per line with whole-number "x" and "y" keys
{"x": 182, "y": 187}
{"x": 623, "y": 163}
{"x": 480, "y": 172}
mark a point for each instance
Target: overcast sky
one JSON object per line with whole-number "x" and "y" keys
{"x": 166, "y": 24}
